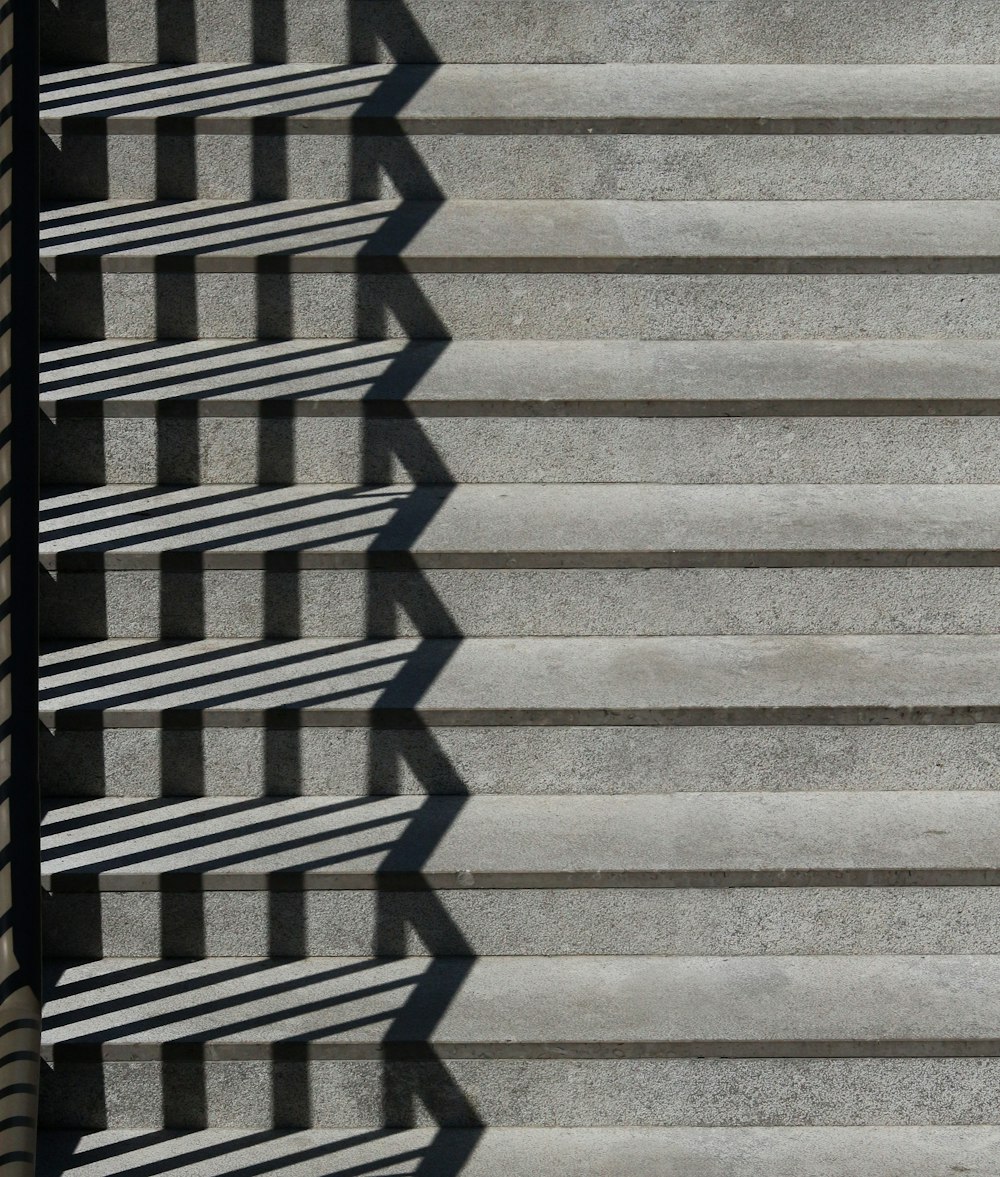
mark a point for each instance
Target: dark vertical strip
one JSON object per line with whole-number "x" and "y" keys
{"x": 24, "y": 502}
{"x": 413, "y": 1077}
{"x": 22, "y": 990}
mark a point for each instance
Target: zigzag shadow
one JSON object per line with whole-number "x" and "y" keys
{"x": 412, "y": 1077}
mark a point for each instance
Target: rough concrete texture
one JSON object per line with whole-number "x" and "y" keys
{"x": 551, "y": 31}
{"x": 688, "y": 839}
{"x": 503, "y": 525}
{"x": 535, "y": 681}
{"x": 523, "y": 306}
{"x": 475, "y": 449}
{"x": 594, "y": 1152}
{"x": 354, "y": 762}
{"x": 595, "y": 1007}
{"x": 526, "y": 377}
{"x": 527, "y": 236}
{"x": 527, "y": 167}
{"x": 563, "y": 602}
{"x": 363, "y": 1094}
{"x": 728, "y": 921}
{"x": 566, "y": 99}
{"x": 716, "y": 284}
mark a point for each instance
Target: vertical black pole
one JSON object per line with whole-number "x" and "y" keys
{"x": 20, "y": 982}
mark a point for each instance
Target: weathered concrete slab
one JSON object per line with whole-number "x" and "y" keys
{"x": 669, "y": 921}
{"x": 528, "y": 1007}
{"x": 569, "y": 237}
{"x": 509, "y": 526}
{"x": 544, "y": 30}
{"x": 535, "y": 378}
{"x": 502, "y": 681}
{"x": 582, "y": 1152}
{"x": 684, "y": 840}
{"x": 651, "y": 99}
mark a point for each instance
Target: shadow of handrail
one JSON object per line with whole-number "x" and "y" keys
{"x": 396, "y": 675}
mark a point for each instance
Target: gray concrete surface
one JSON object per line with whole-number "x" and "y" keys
{"x": 595, "y": 1152}
{"x": 540, "y": 602}
{"x": 711, "y": 921}
{"x": 126, "y": 527}
{"x": 931, "y": 166}
{"x": 505, "y": 449}
{"x": 525, "y": 236}
{"x": 545, "y": 681}
{"x": 959, "y": 31}
{"x": 531, "y": 1007}
{"x": 279, "y": 939}
{"x": 689, "y": 839}
{"x": 652, "y": 99}
{"x": 524, "y": 1093}
{"x": 530, "y": 377}
{"x": 520, "y": 306}
{"x": 350, "y": 762}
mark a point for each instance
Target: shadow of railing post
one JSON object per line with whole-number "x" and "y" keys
{"x": 20, "y": 892}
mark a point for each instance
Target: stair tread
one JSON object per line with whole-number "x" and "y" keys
{"x": 587, "y": 1006}
{"x": 498, "y": 681}
{"x": 538, "y": 236}
{"x": 881, "y": 1151}
{"x": 687, "y": 839}
{"x": 649, "y": 98}
{"x": 509, "y": 525}
{"x": 126, "y": 377}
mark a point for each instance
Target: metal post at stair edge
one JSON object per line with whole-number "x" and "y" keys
{"x": 20, "y": 893}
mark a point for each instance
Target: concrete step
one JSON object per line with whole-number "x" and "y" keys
{"x": 215, "y": 166}
{"x": 491, "y": 31}
{"x": 372, "y": 1095}
{"x": 556, "y": 842}
{"x": 531, "y": 681}
{"x": 524, "y": 236}
{"x": 126, "y": 528}
{"x": 506, "y": 1008}
{"x": 177, "y": 450}
{"x": 535, "y": 378}
{"x": 489, "y": 561}
{"x": 624, "y": 411}
{"x": 572, "y": 1093}
{"x": 650, "y": 99}
{"x": 516, "y": 602}
{"x": 191, "y": 761}
{"x": 540, "y": 306}
{"x": 234, "y": 1042}
{"x": 683, "y": 874}
{"x": 636, "y": 131}
{"x": 667, "y": 921}
{"x": 581, "y": 1152}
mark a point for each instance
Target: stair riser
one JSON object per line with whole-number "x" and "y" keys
{"x": 523, "y": 167}
{"x": 542, "y": 30}
{"x": 347, "y": 450}
{"x": 685, "y": 922}
{"x": 564, "y": 1092}
{"x": 522, "y": 306}
{"x": 472, "y": 602}
{"x": 249, "y": 762}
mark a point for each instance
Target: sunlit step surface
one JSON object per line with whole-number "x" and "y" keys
{"x": 528, "y": 1007}
{"x": 499, "y": 681}
{"x": 652, "y": 99}
{"x": 526, "y": 236}
{"x": 526, "y": 1152}
{"x": 680, "y": 840}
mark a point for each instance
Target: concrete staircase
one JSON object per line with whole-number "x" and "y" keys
{"x": 521, "y": 562}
